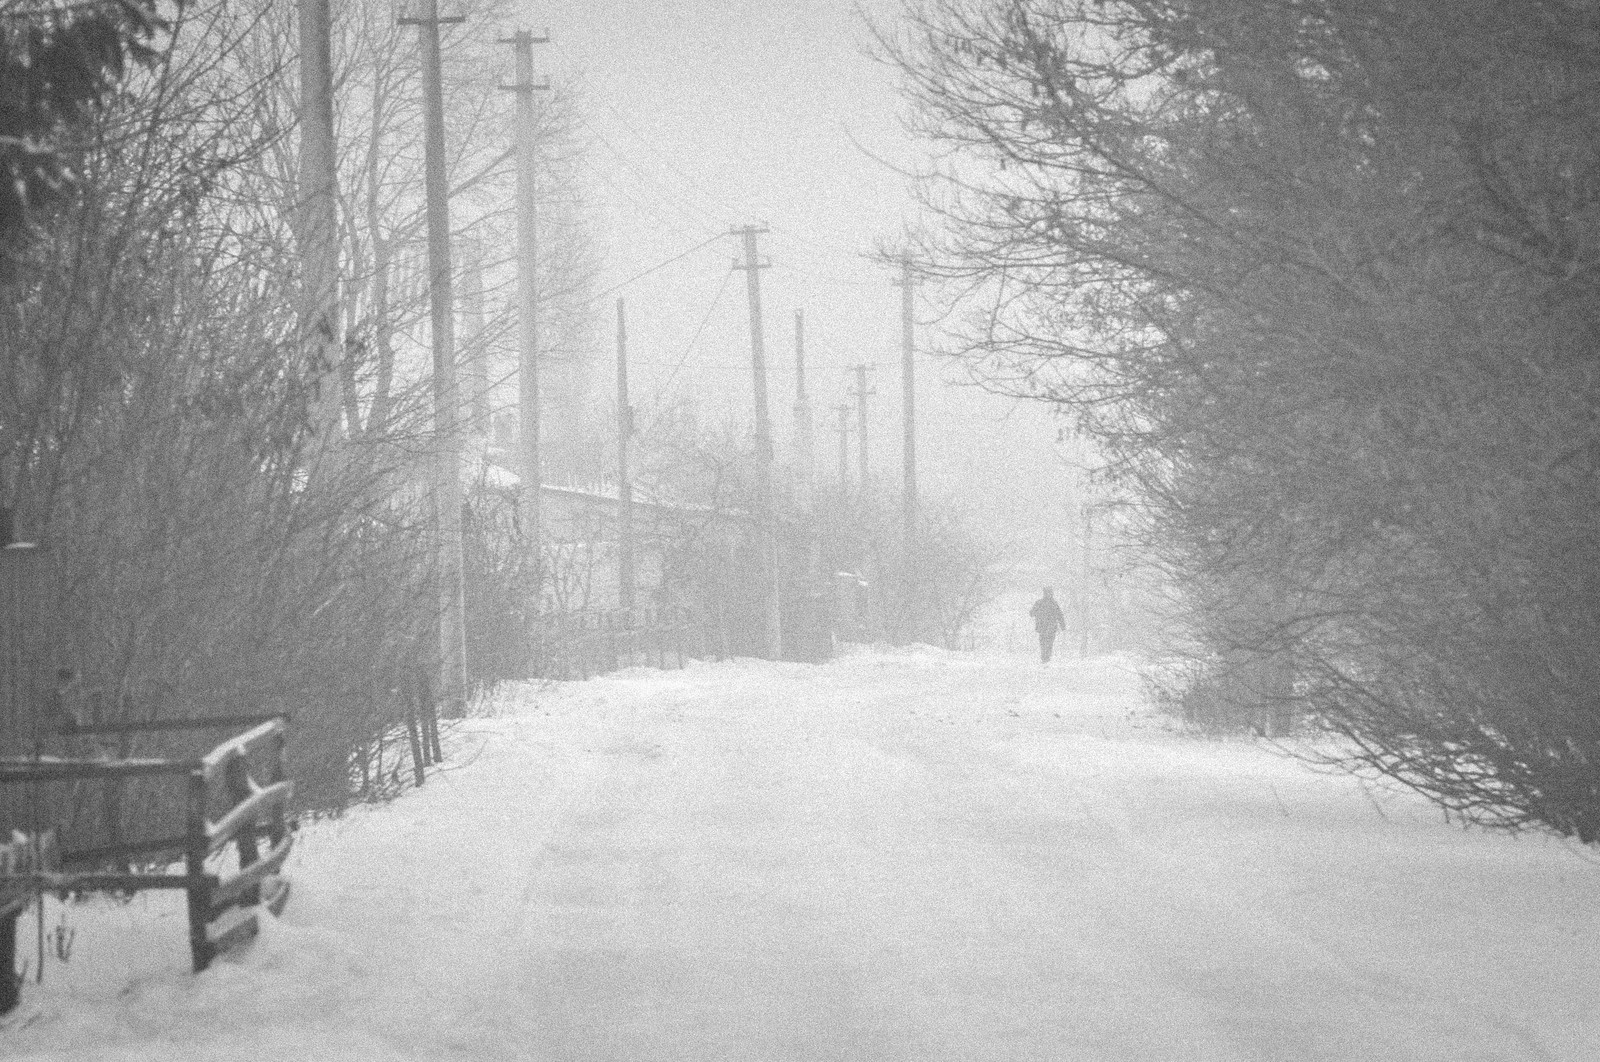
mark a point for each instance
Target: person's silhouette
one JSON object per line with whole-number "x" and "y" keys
{"x": 1048, "y": 621}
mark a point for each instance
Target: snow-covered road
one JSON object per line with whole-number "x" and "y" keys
{"x": 914, "y": 856}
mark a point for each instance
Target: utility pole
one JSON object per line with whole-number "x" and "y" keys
{"x": 844, "y": 448}
{"x": 871, "y": 562}
{"x": 909, "y": 392}
{"x": 909, "y": 571}
{"x": 319, "y": 227}
{"x": 752, "y": 266}
{"x": 1085, "y": 583}
{"x": 804, "y": 457}
{"x": 625, "y": 578}
{"x": 447, "y": 442}
{"x": 861, "y": 394}
{"x": 531, "y": 474}
{"x": 804, "y": 453}
{"x": 475, "y": 358}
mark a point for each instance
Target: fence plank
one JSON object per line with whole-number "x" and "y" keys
{"x": 228, "y": 890}
{"x": 274, "y": 893}
{"x": 150, "y": 847}
{"x": 93, "y": 880}
{"x": 247, "y": 810}
{"x": 63, "y": 769}
{"x": 141, "y": 726}
{"x": 238, "y": 928}
{"x": 218, "y": 757}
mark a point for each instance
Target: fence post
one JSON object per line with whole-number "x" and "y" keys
{"x": 236, "y": 779}
{"x": 10, "y": 983}
{"x": 277, "y": 826}
{"x": 195, "y": 862}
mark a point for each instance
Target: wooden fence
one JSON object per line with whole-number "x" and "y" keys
{"x": 577, "y": 645}
{"x": 224, "y": 804}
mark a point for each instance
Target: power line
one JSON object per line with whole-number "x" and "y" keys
{"x": 679, "y": 201}
{"x": 832, "y": 279}
{"x": 685, "y": 222}
{"x": 650, "y": 148}
{"x": 782, "y": 231}
{"x": 827, "y": 247}
{"x": 702, "y": 223}
{"x": 655, "y": 268}
{"x": 697, "y": 216}
{"x": 715, "y": 300}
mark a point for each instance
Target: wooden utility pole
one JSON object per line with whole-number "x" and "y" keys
{"x": 844, "y": 448}
{"x": 475, "y": 359}
{"x": 446, "y": 398}
{"x": 625, "y": 545}
{"x": 804, "y": 455}
{"x": 528, "y": 427}
{"x": 1084, "y": 584}
{"x": 319, "y": 225}
{"x": 870, "y": 561}
{"x": 909, "y": 571}
{"x": 861, "y": 394}
{"x": 908, "y": 383}
{"x": 752, "y": 266}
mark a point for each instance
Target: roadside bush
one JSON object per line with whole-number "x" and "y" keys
{"x": 1320, "y": 277}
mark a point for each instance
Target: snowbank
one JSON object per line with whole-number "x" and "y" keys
{"x": 912, "y": 855}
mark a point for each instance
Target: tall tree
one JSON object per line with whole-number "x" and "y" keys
{"x": 1320, "y": 275}
{"x": 57, "y": 63}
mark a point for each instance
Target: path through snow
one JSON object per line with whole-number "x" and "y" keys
{"x": 912, "y": 856}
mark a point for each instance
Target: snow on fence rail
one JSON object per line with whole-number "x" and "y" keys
{"x": 221, "y": 905}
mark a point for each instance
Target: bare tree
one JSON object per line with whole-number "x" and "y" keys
{"x": 156, "y": 427}
{"x": 1318, "y": 277}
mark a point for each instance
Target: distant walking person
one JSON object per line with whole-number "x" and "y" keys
{"x": 1047, "y": 620}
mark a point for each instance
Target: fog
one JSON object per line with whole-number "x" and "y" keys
{"x": 781, "y": 115}
{"x": 339, "y": 550}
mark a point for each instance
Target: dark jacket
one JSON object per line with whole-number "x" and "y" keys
{"x": 1047, "y": 616}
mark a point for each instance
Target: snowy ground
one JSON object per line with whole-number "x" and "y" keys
{"x": 914, "y": 856}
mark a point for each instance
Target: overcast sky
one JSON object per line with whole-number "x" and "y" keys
{"x": 705, "y": 114}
